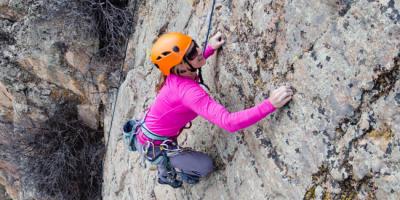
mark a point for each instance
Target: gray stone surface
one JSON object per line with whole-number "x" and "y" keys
{"x": 339, "y": 137}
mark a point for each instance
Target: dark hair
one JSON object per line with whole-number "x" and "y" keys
{"x": 161, "y": 80}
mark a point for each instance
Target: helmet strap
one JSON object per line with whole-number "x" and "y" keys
{"x": 191, "y": 68}
{"x": 202, "y": 81}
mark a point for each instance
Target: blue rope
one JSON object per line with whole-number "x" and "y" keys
{"x": 209, "y": 26}
{"x": 116, "y": 96}
{"x": 205, "y": 42}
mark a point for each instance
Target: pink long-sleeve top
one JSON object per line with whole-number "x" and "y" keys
{"x": 182, "y": 99}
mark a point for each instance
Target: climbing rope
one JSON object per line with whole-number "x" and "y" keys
{"x": 116, "y": 96}
{"x": 209, "y": 26}
{"x": 119, "y": 84}
{"x": 205, "y": 42}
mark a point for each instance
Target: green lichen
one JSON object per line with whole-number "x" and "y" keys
{"x": 350, "y": 195}
{"x": 310, "y": 194}
{"x": 385, "y": 133}
{"x": 327, "y": 196}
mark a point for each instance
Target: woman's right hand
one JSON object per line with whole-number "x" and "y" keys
{"x": 279, "y": 97}
{"x": 217, "y": 40}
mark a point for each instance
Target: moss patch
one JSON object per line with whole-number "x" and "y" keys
{"x": 385, "y": 133}
{"x": 310, "y": 194}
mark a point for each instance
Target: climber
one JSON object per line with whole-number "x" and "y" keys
{"x": 179, "y": 100}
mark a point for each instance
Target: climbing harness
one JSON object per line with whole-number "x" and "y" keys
{"x": 151, "y": 152}
{"x": 129, "y": 131}
{"x": 157, "y": 154}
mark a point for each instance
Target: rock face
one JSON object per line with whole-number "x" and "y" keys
{"x": 337, "y": 139}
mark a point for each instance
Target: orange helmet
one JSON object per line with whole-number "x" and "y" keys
{"x": 169, "y": 50}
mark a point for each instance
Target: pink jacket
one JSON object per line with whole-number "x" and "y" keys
{"x": 182, "y": 99}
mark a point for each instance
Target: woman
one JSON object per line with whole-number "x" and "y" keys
{"x": 180, "y": 99}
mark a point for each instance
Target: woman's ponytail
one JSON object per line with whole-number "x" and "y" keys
{"x": 163, "y": 78}
{"x": 161, "y": 82}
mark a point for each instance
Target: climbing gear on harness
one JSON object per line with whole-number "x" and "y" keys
{"x": 156, "y": 154}
{"x": 169, "y": 50}
{"x": 129, "y": 131}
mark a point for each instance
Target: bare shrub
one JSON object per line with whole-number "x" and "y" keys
{"x": 114, "y": 22}
{"x": 62, "y": 159}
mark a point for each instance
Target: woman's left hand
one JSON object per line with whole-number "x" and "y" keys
{"x": 217, "y": 41}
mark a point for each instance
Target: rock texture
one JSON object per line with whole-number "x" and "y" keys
{"x": 337, "y": 139}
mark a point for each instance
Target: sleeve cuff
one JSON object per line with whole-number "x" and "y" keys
{"x": 268, "y": 107}
{"x": 208, "y": 52}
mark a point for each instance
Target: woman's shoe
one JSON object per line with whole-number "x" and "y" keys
{"x": 172, "y": 182}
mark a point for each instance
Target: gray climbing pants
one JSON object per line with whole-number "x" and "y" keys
{"x": 186, "y": 161}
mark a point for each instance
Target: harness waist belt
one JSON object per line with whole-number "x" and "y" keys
{"x": 152, "y": 135}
